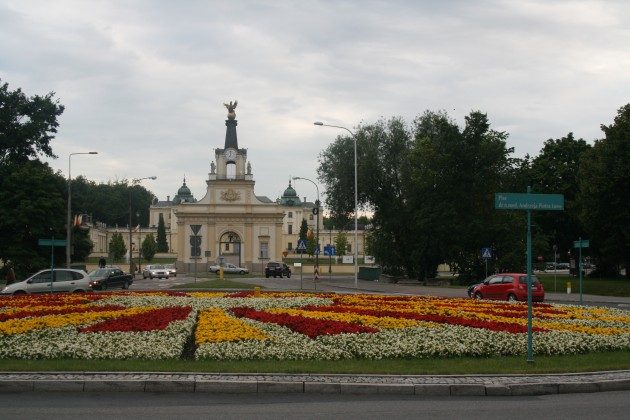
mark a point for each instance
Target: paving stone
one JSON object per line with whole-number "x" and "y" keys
{"x": 169, "y": 386}
{"x": 468, "y": 389}
{"x": 534, "y": 389}
{"x": 15, "y": 386}
{"x": 350, "y": 388}
{"x": 322, "y": 388}
{"x": 614, "y": 385}
{"x": 498, "y": 390}
{"x": 113, "y": 386}
{"x": 227, "y": 387}
{"x": 65, "y": 386}
{"x": 398, "y": 389}
{"x": 575, "y": 387}
{"x": 281, "y": 387}
{"x": 432, "y": 389}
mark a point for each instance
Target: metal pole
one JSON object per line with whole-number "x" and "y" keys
{"x": 52, "y": 263}
{"x": 580, "y": 266}
{"x": 139, "y": 242}
{"x": 356, "y": 201}
{"x": 330, "y": 257}
{"x": 530, "y": 346}
{"x": 555, "y": 267}
{"x": 133, "y": 273}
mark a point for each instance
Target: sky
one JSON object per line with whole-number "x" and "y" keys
{"x": 143, "y": 82}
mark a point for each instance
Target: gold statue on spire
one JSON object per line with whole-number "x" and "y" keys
{"x": 231, "y": 107}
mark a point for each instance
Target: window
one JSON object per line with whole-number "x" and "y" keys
{"x": 349, "y": 248}
{"x": 290, "y": 215}
{"x": 310, "y": 217}
{"x": 290, "y": 229}
{"x": 42, "y": 277}
{"x": 264, "y": 250}
{"x": 290, "y": 246}
{"x": 227, "y": 246}
{"x": 496, "y": 280}
{"x": 63, "y": 275}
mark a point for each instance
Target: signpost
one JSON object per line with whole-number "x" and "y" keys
{"x": 196, "y": 246}
{"x": 529, "y": 202}
{"x": 580, "y": 243}
{"x": 330, "y": 250}
{"x": 486, "y": 254}
{"x": 52, "y": 243}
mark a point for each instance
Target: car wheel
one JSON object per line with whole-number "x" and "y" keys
{"x": 104, "y": 286}
{"x": 19, "y": 292}
{"x": 241, "y": 272}
{"x": 78, "y": 291}
{"x": 280, "y": 275}
{"x": 274, "y": 276}
{"x": 512, "y": 298}
{"x": 267, "y": 275}
{"x": 478, "y": 296}
{"x": 151, "y": 277}
{"x": 126, "y": 285}
{"x": 289, "y": 275}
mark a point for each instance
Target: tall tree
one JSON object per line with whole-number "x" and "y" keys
{"x": 27, "y": 125}
{"x": 341, "y": 243}
{"x": 117, "y": 247}
{"x": 82, "y": 243}
{"x": 162, "y": 245}
{"x": 303, "y": 230}
{"x": 149, "y": 247}
{"x": 604, "y": 179}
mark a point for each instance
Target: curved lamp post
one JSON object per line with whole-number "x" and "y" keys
{"x": 69, "y": 215}
{"x": 317, "y": 203}
{"x": 134, "y": 181}
{"x": 356, "y": 200}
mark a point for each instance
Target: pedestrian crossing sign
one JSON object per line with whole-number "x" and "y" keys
{"x": 486, "y": 253}
{"x": 301, "y": 245}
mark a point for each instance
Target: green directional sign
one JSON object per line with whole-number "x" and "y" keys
{"x": 51, "y": 242}
{"x": 517, "y": 201}
{"x": 583, "y": 243}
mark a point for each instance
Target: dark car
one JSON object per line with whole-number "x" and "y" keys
{"x": 508, "y": 286}
{"x": 471, "y": 288}
{"x": 276, "y": 269}
{"x": 109, "y": 277}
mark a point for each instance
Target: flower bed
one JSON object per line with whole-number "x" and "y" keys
{"x": 245, "y": 325}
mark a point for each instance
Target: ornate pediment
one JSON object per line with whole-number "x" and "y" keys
{"x": 230, "y": 195}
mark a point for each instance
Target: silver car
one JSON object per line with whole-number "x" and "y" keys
{"x": 62, "y": 280}
{"x": 172, "y": 270}
{"x": 154, "y": 270}
{"x": 228, "y": 268}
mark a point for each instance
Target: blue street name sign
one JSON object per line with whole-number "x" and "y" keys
{"x": 518, "y": 201}
{"x": 581, "y": 243}
{"x": 51, "y": 242}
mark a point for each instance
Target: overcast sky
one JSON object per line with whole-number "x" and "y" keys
{"x": 143, "y": 82}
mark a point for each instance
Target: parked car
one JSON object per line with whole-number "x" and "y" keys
{"x": 228, "y": 268}
{"x": 275, "y": 269}
{"x": 509, "y": 286}
{"x": 109, "y": 277}
{"x": 158, "y": 271}
{"x": 172, "y": 270}
{"x": 61, "y": 280}
{"x": 471, "y": 288}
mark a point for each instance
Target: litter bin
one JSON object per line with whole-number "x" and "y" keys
{"x": 369, "y": 273}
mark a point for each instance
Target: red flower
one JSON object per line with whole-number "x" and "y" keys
{"x": 157, "y": 319}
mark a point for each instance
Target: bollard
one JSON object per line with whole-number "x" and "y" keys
{"x": 256, "y": 291}
{"x": 568, "y": 288}
{"x": 221, "y": 273}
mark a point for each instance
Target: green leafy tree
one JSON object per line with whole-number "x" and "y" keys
{"x": 27, "y": 125}
{"x": 162, "y": 245}
{"x": 117, "y": 247}
{"x": 31, "y": 196}
{"x": 341, "y": 243}
{"x": 149, "y": 247}
{"x": 303, "y": 230}
{"x": 604, "y": 180}
{"x": 82, "y": 244}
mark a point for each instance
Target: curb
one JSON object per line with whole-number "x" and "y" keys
{"x": 483, "y": 385}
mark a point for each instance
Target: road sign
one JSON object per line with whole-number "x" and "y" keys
{"x": 301, "y": 245}
{"x": 486, "y": 253}
{"x": 517, "y": 201}
{"x": 583, "y": 243}
{"x": 329, "y": 250}
{"x": 51, "y": 242}
{"x": 195, "y": 228}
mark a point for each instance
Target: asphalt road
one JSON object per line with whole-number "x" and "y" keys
{"x": 345, "y": 284}
{"x": 67, "y": 405}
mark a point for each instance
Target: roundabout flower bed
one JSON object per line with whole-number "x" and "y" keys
{"x": 287, "y": 325}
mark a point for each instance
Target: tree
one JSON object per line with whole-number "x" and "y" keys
{"x": 341, "y": 244}
{"x": 27, "y": 125}
{"x": 82, "y": 243}
{"x": 162, "y": 245}
{"x": 303, "y": 230}
{"x": 117, "y": 247}
{"x": 604, "y": 179}
{"x": 32, "y": 207}
{"x": 149, "y": 247}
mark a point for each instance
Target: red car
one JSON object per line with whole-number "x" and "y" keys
{"x": 508, "y": 286}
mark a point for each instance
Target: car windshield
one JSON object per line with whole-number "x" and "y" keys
{"x": 157, "y": 267}
{"x": 99, "y": 273}
{"x": 169, "y": 266}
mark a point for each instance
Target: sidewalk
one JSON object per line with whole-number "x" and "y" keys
{"x": 427, "y": 385}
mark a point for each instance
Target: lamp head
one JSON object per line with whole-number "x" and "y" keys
{"x": 153, "y": 177}
{"x": 318, "y": 123}
{"x": 93, "y": 153}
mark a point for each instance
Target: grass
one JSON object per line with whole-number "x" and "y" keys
{"x": 592, "y": 286}
{"x": 462, "y": 366}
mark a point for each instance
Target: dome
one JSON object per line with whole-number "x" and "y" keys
{"x": 183, "y": 195}
{"x": 184, "y": 190}
{"x": 290, "y": 197}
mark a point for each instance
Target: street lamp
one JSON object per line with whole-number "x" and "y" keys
{"x": 134, "y": 181}
{"x": 356, "y": 201}
{"x": 317, "y": 203}
{"x": 69, "y": 216}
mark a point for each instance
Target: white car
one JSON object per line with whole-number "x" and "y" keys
{"x": 155, "y": 270}
{"x": 228, "y": 268}
{"x": 172, "y": 270}
{"x": 62, "y": 280}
